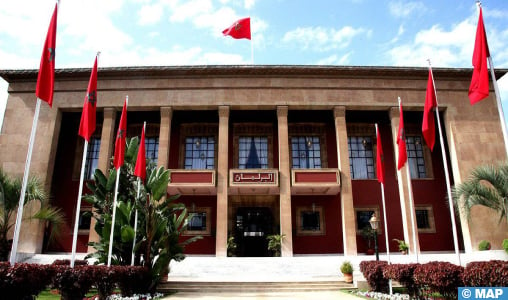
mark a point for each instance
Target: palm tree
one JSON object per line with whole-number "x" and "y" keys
{"x": 10, "y": 190}
{"x": 486, "y": 186}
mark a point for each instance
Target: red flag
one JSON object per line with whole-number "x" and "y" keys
{"x": 479, "y": 88}
{"x": 428, "y": 126}
{"x": 140, "y": 169}
{"x": 239, "y": 30}
{"x": 87, "y": 123}
{"x": 46, "y": 76}
{"x": 120, "y": 138}
{"x": 380, "y": 159}
{"x": 401, "y": 140}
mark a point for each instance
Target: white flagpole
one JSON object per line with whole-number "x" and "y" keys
{"x": 114, "y": 217}
{"x": 135, "y": 224}
{"x": 19, "y": 215}
{"x": 78, "y": 205}
{"x": 411, "y": 204}
{"x": 251, "y": 45}
{"x": 384, "y": 217}
{"x": 447, "y": 173}
{"x": 499, "y": 105}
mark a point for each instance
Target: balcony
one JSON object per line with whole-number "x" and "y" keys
{"x": 192, "y": 182}
{"x": 315, "y": 181}
{"x": 253, "y": 182}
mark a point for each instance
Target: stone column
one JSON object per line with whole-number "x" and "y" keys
{"x": 285, "y": 182}
{"x": 346, "y": 191}
{"x": 164, "y": 137}
{"x": 105, "y": 152}
{"x": 404, "y": 188}
{"x": 221, "y": 236}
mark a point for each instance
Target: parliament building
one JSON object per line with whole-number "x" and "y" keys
{"x": 256, "y": 150}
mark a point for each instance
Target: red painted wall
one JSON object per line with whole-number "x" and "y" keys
{"x": 206, "y": 245}
{"x": 331, "y": 241}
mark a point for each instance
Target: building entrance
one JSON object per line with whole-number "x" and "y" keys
{"x": 252, "y": 226}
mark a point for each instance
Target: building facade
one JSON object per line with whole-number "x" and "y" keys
{"x": 258, "y": 150}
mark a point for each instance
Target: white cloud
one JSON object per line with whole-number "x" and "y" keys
{"x": 181, "y": 12}
{"x": 248, "y": 4}
{"x": 335, "y": 59}
{"x": 322, "y": 39}
{"x": 403, "y": 9}
{"x": 150, "y": 14}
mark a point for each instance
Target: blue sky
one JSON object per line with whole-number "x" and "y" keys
{"x": 295, "y": 32}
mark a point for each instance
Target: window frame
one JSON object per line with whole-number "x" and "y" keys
{"x": 309, "y": 130}
{"x": 197, "y": 130}
{"x": 84, "y": 209}
{"x": 415, "y": 130}
{"x": 375, "y": 209}
{"x": 314, "y": 208}
{"x": 363, "y": 130}
{"x": 430, "y": 216}
{"x": 208, "y": 230}
{"x": 252, "y": 130}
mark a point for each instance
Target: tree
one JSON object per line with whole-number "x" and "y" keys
{"x": 10, "y": 191}
{"x": 487, "y": 186}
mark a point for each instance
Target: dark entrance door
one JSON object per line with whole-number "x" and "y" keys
{"x": 253, "y": 225}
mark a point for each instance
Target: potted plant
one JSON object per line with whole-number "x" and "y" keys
{"x": 484, "y": 245}
{"x": 368, "y": 234}
{"x": 231, "y": 246}
{"x": 403, "y": 246}
{"x": 347, "y": 269}
{"x": 275, "y": 243}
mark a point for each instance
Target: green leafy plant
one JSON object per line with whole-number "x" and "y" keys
{"x": 403, "y": 246}
{"x": 231, "y": 246}
{"x": 505, "y": 245}
{"x": 368, "y": 234}
{"x": 10, "y": 192}
{"x": 346, "y": 267}
{"x": 484, "y": 245}
{"x": 275, "y": 243}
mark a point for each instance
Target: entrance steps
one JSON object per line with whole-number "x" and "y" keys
{"x": 251, "y": 287}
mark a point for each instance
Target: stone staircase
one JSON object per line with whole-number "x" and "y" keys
{"x": 251, "y": 287}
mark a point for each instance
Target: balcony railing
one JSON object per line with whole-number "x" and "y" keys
{"x": 253, "y": 181}
{"x": 315, "y": 181}
{"x": 192, "y": 182}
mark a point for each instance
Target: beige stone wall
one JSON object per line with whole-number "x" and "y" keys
{"x": 473, "y": 133}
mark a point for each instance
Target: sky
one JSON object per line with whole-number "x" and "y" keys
{"x": 284, "y": 32}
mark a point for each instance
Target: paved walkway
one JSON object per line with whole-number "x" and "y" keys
{"x": 321, "y": 295}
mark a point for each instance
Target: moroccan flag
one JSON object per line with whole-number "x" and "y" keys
{"x": 401, "y": 140}
{"x": 120, "y": 138}
{"x": 46, "y": 77}
{"x": 479, "y": 88}
{"x": 428, "y": 126}
{"x": 380, "y": 159}
{"x": 239, "y": 30}
{"x": 87, "y": 124}
{"x": 140, "y": 169}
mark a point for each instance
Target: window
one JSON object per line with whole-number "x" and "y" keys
{"x": 253, "y": 152}
{"x": 85, "y": 219}
{"x": 363, "y": 215}
{"x": 198, "y": 221}
{"x": 310, "y": 220}
{"x": 92, "y": 157}
{"x": 416, "y": 156}
{"x": 199, "y": 152}
{"x": 306, "y": 152}
{"x": 152, "y": 148}
{"x": 425, "y": 219}
{"x": 361, "y": 157}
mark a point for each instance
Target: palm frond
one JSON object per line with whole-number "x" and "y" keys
{"x": 54, "y": 216}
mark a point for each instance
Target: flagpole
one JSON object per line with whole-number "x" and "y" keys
{"x": 19, "y": 215}
{"x": 135, "y": 224}
{"x": 499, "y": 105}
{"x": 114, "y": 217}
{"x": 447, "y": 173}
{"x": 251, "y": 46}
{"x": 411, "y": 205}
{"x": 78, "y": 205}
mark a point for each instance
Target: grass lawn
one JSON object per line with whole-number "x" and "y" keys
{"x": 53, "y": 294}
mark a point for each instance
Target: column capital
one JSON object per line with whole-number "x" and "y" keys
{"x": 166, "y": 111}
{"x": 109, "y": 112}
{"x": 282, "y": 111}
{"x": 339, "y": 111}
{"x": 223, "y": 111}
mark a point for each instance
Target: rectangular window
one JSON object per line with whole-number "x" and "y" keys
{"x": 198, "y": 221}
{"x": 416, "y": 156}
{"x": 92, "y": 157}
{"x": 306, "y": 152}
{"x": 199, "y": 153}
{"x": 253, "y": 152}
{"x": 152, "y": 148}
{"x": 363, "y": 218}
{"x": 361, "y": 157}
{"x": 425, "y": 219}
{"x": 310, "y": 220}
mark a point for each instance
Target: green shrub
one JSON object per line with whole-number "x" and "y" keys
{"x": 73, "y": 283}
{"x": 346, "y": 268}
{"x": 505, "y": 245}
{"x": 24, "y": 281}
{"x": 484, "y": 245}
